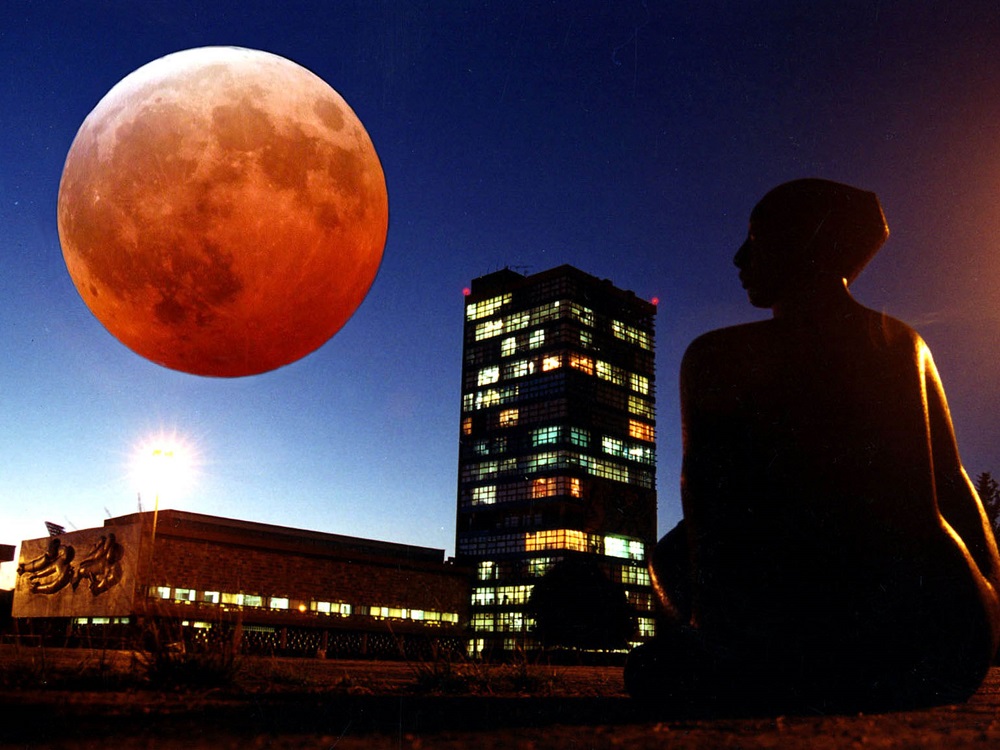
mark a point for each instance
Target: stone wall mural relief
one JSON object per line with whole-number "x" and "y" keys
{"x": 54, "y": 568}
{"x": 77, "y": 573}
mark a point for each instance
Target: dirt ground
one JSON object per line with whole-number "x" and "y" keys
{"x": 298, "y": 703}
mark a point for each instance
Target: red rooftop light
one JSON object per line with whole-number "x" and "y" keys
{"x": 466, "y": 292}
{"x": 655, "y": 300}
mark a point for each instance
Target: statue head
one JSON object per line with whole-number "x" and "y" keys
{"x": 807, "y": 230}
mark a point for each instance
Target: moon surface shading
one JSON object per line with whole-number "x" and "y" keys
{"x": 222, "y": 211}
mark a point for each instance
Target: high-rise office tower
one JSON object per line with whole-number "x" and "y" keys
{"x": 557, "y": 452}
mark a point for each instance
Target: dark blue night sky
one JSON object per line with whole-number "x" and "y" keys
{"x": 630, "y": 139}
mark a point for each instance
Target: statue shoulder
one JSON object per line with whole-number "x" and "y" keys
{"x": 724, "y": 345}
{"x": 893, "y": 333}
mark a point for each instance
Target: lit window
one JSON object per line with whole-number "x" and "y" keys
{"x": 508, "y": 346}
{"x": 487, "y": 570}
{"x": 183, "y": 595}
{"x": 582, "y": 363}
{"x": 517, "y": 369}
{"x": 612, "y": 446}
{"x": 569, "y": 539}
{"x": 211, "y": 597}
{"x": 488, "y": 375}
{"x": 483, "y": 596}
{"x": 641, "y": 430}
{"x": 236, "y": 599}
{"x": 278, "y": 602}
{"x": 607, "y": 371}
{"x": 489, "y": 329}
{"x": 579, "y": 437}
{"x": 640, "y": 407}
{"x": 552, "y": 362}
{"x": 542, "y": 487}
{"x": 322, "y": 607}
{"x": 508, "y": 418}
{"x": 486, "y": 495}
{"x": 489, "y": 397}
{"x": 545, "y": 436}
{"x": 537, "y": 338}
{"x": 252, "y": 600}
{"x": 160, "y": 592}
{"x": 615, "y": 547}
{"x": 467, "y": 426}
{"x": 486, "y": 307}
{"x": 639, "y": 383}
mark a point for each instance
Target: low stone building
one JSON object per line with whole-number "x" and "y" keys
{"x": 272, "y": 588}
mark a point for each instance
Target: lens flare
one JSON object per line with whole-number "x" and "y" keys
{"x": 164, "y": 466}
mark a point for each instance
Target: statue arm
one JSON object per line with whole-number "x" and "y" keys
{"x": 958, "y": 502}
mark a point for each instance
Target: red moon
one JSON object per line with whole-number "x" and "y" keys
{"x": 222, "y": 211}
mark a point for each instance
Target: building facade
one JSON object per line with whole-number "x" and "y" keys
{"x": 557, "y": 453}
{"x": 287, "y": 591}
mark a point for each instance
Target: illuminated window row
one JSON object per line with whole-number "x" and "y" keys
{"x": 505, "y": 622}
{"x": 487, "y": 307}
{"x": 533, "y": 567}
{"x": 521, "y": 368}
{"x": 641, "y": 407}
{"x": 522, "y": 342}
{"x": 631, "y": 451}
{"x": 553, "y": 383}
{"x": 403, "y": 613}
{"x": 554, "y": 539}
{"x": 341, "y": 609}
{"x": 630, "y": 574}
{"x": 548, "y": 384}
{"x": 489, "y": 397}
{"x": 556, "y": 461}
{"x": 101, "y": 620}
{"x": 555, "y": 434}
{"x": 535, "y": 316}
{"x": 632, "y": 335}
{"x": 501, "y": 595}
{"x": 563, "y": 332}
{"x": 609, "y": 372}
{"x": 551, "y": 435}
{"x": 570, "y": 539}
{"x": 534, "y": 489}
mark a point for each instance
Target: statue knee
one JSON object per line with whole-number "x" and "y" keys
{"x": 670, "y": 572}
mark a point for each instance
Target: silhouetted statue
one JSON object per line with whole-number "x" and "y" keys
{"x": 833, "y": 551}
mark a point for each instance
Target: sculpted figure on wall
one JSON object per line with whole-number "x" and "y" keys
{"x": 50, "y": 571}
{"x": 55, "y": 568}
{"x": 833, "y": 551}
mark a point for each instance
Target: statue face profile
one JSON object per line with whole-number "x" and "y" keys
{"x": 804, "y": 231}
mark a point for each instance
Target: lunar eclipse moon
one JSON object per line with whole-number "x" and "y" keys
{"x": 222, "y": 211}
